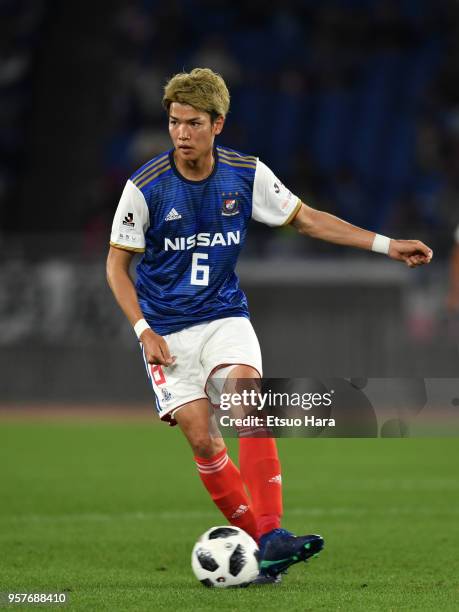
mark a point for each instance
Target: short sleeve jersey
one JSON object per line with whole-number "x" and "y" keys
{"x": 191, "y": 234}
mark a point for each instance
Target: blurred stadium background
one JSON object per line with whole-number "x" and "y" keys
{"x": 353, "y": 103}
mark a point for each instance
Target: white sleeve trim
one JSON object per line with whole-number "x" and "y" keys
{"x": 131, "y": 220}
{"x": 272, "y": 203}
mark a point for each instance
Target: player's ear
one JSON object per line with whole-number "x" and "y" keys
{"x": 218, "y": 125}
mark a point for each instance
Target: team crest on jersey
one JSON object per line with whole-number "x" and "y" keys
{"x": 230, "y": 206}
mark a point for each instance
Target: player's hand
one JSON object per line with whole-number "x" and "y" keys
{"x": 156, "y": 349}
{"x": 412, "y": 252}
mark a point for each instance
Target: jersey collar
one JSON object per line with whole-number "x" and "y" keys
{"x": 190, "y": 181}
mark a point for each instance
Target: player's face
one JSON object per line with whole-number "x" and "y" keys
{"x": 192, "y": 131}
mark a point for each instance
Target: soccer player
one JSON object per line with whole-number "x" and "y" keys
{"x": 187, "y": 211}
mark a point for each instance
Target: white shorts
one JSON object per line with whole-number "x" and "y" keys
{"x": 199, "y": 351}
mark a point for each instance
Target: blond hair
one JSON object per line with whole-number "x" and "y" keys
{"x": 201, "y": 88}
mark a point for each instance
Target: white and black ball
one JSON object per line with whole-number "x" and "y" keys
{"x": 225, "y": 557}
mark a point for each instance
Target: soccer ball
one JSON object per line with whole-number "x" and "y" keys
{"x": 225, "y": 557}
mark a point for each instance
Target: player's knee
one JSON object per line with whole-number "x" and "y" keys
{"x": 243, "y": 378}
{"x": 244, "y": 371}
{"x": 207, "y": 446}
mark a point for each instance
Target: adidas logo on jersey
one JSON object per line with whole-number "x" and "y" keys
{"x": 240, "y": 511}
{"x": 173, "y": 215}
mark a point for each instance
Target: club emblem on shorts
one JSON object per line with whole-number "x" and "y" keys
{"x": 167, "y": 395}
{"x": 230, "y": 207}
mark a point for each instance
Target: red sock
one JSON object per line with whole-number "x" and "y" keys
{"x": 261, "y": 472}
{"x": 223, "y": 481}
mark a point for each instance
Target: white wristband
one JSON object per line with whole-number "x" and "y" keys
{"x": 140, "y": 327}
{"x": 381, "y": 244}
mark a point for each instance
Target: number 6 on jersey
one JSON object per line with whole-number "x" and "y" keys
{"x": 201, "y": 269}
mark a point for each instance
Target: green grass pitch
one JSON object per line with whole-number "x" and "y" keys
{"x": 110, "y": 512}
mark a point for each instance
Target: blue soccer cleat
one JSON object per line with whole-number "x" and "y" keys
{"x": 279, "y": 549}
{"x": 263, "y": 579}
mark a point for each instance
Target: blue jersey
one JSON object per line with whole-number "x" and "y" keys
{"x": 191, "y": 234}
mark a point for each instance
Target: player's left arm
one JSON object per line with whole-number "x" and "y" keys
{"x": 324, "y": 226}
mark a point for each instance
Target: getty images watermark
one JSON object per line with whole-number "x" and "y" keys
{"x": 336, "y": 407}
{"x": 250, "y": 400}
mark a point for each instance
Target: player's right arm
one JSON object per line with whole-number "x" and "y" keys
{"x": 122, "y": 286}
{"x": 128, "y": 236}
